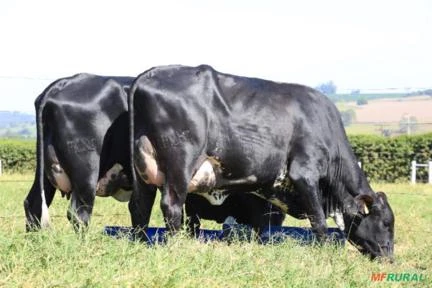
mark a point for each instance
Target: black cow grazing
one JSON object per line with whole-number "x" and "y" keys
{"x": 197, "y": 130}
{"x": 245, "y": 208}
{"x": 82, "y": 149}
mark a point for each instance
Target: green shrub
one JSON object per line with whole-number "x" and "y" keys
{"x": 362, "y": 101}
{"x": 18, "y": 155}
{"x": 389, "y": 159}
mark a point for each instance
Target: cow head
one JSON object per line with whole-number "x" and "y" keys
{"x": 371, "y": 228}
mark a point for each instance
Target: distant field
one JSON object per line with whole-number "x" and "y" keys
{"x": 387, "y": 113}
{"x": 26, "y": 130}
{"x": 59, "y": 258}
{"x": 392, "y": 110}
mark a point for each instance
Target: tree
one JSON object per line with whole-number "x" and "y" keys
{"x": 25, "y": 132}
{"x": 362, "y": 101}
{"x": 348, "y": 116}
{"x": 328, "y": 88}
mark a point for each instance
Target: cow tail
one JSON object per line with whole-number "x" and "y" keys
{"x": 132, "y": 135}
{"x": 41, "y": 163}
{"x": 131, "y": 110}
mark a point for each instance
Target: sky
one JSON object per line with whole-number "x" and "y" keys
{"x": 369, "y": 45}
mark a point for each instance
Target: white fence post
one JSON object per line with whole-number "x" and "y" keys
{"x": 430, "y": 172}
{"x": 413, "y": 171}
{"x": 359, "y": 164}
{"x": 414, "y": 166}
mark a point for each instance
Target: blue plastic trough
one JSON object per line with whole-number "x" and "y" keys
{"x": 274, "y": 234}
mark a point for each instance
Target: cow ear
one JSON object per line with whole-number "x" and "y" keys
{"x": 364, "y": 202}
{"x": 382, "y": 197}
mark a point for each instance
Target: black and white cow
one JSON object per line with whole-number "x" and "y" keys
{"x": 197, "y": 130}
{"x": 83, "y": 149}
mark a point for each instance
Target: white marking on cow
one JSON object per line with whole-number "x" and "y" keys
{"x": 45, "y": 220}
{"x": 215, "y": 197}
{"x": 251, "y": 179}
{"x": 281, "y": 178}
{"x": 205, "y": 177}
{"x": 338, "y": 219}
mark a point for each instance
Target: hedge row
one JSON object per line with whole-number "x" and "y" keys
{"x": 18, "y": 156}
{"x": 383, "y": 159}
{"x": 389, "y": 159}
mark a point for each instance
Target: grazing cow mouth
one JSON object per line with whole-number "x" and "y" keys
{"x": 374, "y": 251}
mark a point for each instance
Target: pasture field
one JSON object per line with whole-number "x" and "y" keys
{"x": 386, "y": 114}
{"x": 60, "y": 258}
{"x": 391, "y": 110}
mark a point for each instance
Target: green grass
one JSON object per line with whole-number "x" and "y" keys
{"x": 376, "y": 129}
{"x": 60, "y": 258}
{"x": 348, "y": 97}
{"x": 364, "y": 129}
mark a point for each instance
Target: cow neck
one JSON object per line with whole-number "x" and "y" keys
{"x": 347, "y": 176}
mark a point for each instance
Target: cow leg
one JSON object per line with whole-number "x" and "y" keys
{"x": 173, "y": 199}
{"x": 33, "y": 203}
{"x": 175, "y": 190}
{"x": 306, "y": 182}
{"x": 81, "y": 205}
{"x": 193, "y": 221}
{"x": 174, "y": 182}
{"x": 141, "y": 204}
